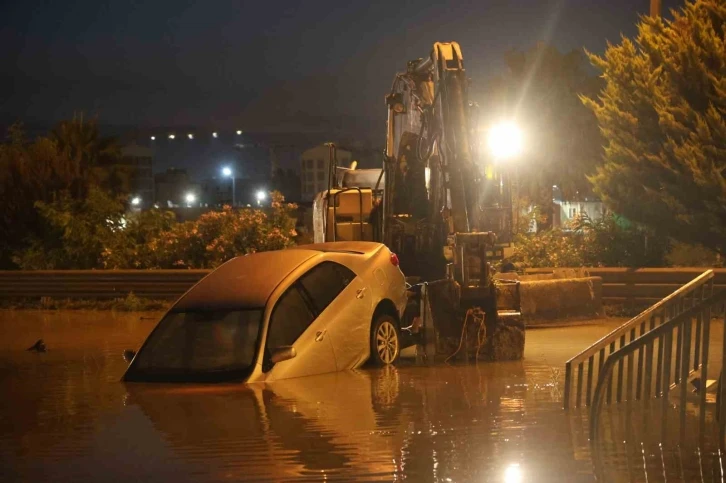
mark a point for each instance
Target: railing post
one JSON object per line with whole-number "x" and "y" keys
{"x": 704, "y": 369}
{"x": 568, "y": 380}
{"x": 685, "y": 368}
{"x": 578, "y": 397}
{"x": 590, "y": 369}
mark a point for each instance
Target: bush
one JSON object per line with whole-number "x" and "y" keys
{"x": 96, "y": 233}
{"x": 612, "y": 241}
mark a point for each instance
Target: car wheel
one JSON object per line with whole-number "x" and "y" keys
{"x": 385, "y": 340}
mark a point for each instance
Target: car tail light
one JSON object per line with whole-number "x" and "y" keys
{"x": 394, "y": 259}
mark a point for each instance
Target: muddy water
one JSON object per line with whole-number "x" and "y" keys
{"x": 65, "y": 417}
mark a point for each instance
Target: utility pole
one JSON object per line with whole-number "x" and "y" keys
{"x": 655, "y": 8}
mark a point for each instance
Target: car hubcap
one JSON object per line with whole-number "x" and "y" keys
{"x": 387, "y": 342}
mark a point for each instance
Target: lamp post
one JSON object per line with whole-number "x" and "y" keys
{"x": 227, "y": 171}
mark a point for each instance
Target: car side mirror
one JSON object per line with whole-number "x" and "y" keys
{"x": 282, "y": 353}
{"x": 129, "y": 355}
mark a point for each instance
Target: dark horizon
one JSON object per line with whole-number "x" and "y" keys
{"x": 254, "y": 65}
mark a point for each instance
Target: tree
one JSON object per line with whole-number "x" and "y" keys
{"x": 540, "y": 92}
{"x": 67, "y": 163}
{"x": 662, "y": 115}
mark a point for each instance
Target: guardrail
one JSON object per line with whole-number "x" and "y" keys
{"x": 665, "y": 310}
{"x": 640, "y": 285}
{"x": 97, "y": 284}
{"x": 691, "y": 361}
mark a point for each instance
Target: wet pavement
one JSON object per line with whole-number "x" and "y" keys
{"x": 66, "y": 417}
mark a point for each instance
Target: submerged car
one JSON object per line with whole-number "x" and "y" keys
{"x": 307, "y": 310}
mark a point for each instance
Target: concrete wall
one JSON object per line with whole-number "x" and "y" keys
{"x": 543, "y": 300}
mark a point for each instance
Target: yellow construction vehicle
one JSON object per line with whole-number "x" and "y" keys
{"x": 440, "y": 207}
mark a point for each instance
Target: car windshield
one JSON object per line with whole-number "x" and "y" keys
{"x": 199, "y": 346}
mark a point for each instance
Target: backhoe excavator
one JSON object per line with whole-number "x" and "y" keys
{"x": 440, "y": 207}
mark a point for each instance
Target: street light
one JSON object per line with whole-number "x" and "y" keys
{"x": 227, "y": 171}
{"x": 505, "y": 140}
{"x": 171, "y": 136}
{"x": 239, "y": 132}
{"x": 214, "y": 134}
{"x": 190, "y": 136}
{"x": 190, "y": 198}
{"x": 153, "y": 138}
{"x": 260, "y": 195}
{"x": 136, "y": 201}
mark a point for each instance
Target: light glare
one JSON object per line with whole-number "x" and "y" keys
{"x": 513, "y": 474}
{"x": 227, "y": 171}
{"x": 191, "y": 198}
{"x": 505, "y": 140}
{"x": 261, "y": 195}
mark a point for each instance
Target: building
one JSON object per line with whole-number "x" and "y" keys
{"x": 140, "y": 161}
{"x": 172, "y": 188}
{"x": 565, "y": 212}
{"x": 314, "y": 167}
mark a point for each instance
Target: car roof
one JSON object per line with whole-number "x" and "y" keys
{"x": 246, "y": 281}
{"x": 361, "y": 247}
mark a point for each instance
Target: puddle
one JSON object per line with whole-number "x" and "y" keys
{"x": 66, "y": 417}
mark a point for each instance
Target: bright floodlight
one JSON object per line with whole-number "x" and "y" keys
{"x": 214, "y": 134}
{"x": 239, "y": 132}
{"x": 505, "y": 140}
{"x": 153, "y": 138}
{"x": 136, "y": 201}
{"x": 190, "y": 197}
{"x": 190, "y": 136}
{"x": 513, "y": 474}
{"x": 171, "y": 136}
{"x": 227, "y": 171}
{"x": 261, "y": 195}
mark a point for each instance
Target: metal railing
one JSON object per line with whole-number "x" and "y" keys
{"x": 678, "y": 351}
{"x": 658, "y": 314}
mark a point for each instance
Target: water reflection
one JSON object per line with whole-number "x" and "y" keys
{"x": 68, "y": 418}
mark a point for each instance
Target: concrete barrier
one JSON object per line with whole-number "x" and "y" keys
{"x": 637, "y": 286}
{"x": 543, "y": 300}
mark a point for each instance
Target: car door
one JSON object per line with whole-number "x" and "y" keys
{"x": 343, "y": 301}
{"x": 293, "y": 322}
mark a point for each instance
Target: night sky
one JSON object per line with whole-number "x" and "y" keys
{"x": 263, "y": 65}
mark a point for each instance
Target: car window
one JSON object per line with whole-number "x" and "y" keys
{"x": 324, "y": 282}
{"x": 290, "y": 317}
{"x": 201, "y": 342}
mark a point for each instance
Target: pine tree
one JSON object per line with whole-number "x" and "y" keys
{"x": 662, "y": 115}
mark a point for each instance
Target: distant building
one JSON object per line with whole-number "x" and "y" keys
{"x": 314, "y": 167}
{"x": 566, "y": 212}
{"x": 172, "y": 188}
{"x": 140, "y": 161}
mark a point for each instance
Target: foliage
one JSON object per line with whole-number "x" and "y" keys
{"x": 65, "y": 164}
{"x": 77, "y": 232}
{"x": 685, "y": 255}
{"x": 614, "y": 241}
{"x": 662, "y": 115}
{"x": 97, "y": 233}
{"x": 551, "y": 248}
{"x": 611, "y": 242}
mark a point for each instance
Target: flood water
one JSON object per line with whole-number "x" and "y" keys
{"x": 66, "y": 417}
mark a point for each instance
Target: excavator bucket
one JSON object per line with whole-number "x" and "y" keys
{"x": 452, "y": 330}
